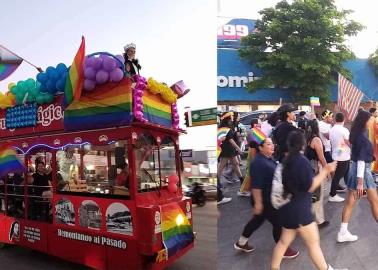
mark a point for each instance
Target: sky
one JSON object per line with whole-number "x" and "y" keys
{"x": 364, "y": 44}
{"x": 176, "y": 40}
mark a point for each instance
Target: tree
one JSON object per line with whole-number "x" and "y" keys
{"x": 373, "y": 61}
{"x": 300, "y": 46}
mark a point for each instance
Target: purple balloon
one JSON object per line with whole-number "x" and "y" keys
{"x": 138, "y": 100}
{"x": 89, "y": 85}
{"x": 90, "y": 73}
{"x": 89, "y": 61}
{"x": 109, "y": 64}
{"x": 116, "y": 75}
{"x": 102, "y": 76}
{"x": 120, "y": 58}
{"x": 97, "y": 63}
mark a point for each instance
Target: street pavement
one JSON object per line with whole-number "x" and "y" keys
{"x": 360, "y": 255}
{"x": 202, "y": 256}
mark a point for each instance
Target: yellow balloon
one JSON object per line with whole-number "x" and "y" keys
{"x": 10, "y": 85}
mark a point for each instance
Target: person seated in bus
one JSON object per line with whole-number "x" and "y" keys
{"x": 122, "y": 178}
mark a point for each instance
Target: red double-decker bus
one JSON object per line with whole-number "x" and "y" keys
{"x": 99, "y": 194}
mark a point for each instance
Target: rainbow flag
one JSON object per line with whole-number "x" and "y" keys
{"x": 221, "y": 136}
{"x": 257, "y": 135}
{"x": 109, "y": 105}
{"x": 9, "y": 62}
{"x": 176, "y": 229}
{"x": 9, "y": 161}
{"x": 156, "y": 110}
{"x": 75, "y": 78}
{"x": 314, "y": 101}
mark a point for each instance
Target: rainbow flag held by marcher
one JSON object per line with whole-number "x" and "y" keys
{"x": 9, "y": 161}
{"x": 257, "y": 135}
{"x": 175, "y": 227}
{"x": 9, "y": 62}
{"x": 222, "y": 133}
{"x": 75, "y": 78}
{"x": 314, "y": 101}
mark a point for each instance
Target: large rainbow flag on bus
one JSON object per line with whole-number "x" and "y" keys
{"x": 75, "y": 78}
{"x": 9, "y": 161}
{"x": 175, "y": 227}
{"x": 9, "y": 62}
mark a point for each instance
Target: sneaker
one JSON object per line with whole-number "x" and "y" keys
{"x": 331, "y": 268}
{"x": 246, "y": 248}
{"x": 324, "y": 224}
{"x": 336, "y": 198}
{"x": 341, "y": 189}
{"x": 224, "y": 200}
{"x": 244, "y": 193}
{"x": 346, "y": 237}
{"x": 291, "y": 253}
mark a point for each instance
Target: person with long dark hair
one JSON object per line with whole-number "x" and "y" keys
{"x": 299, "y": 181}
{"x": 262, "y": 170}
{"x": 360, "y": 177}
{"x": 315, "y": 153}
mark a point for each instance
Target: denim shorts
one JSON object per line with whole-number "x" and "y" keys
{"x": 352, "y": 177}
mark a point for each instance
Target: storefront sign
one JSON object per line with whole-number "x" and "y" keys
{"x": 100, "y": 240}
{"x": 204, "y": 117}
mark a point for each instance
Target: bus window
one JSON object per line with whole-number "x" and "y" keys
{"x": 15, "y": 192}
{"x": 94, "y": 169}
{"x": 167, "y": 159}
{"x": 147, "y": 163}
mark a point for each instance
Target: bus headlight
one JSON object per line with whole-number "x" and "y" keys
{"x": 179, "y": 220}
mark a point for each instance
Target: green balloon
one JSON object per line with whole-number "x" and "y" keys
{"x": 49, "y": 98}
{"x": 19, "y": 99}
{"x": 34, "y": 91}
{"x": 14, "y": 90}
{"x": 29, "y": 84}
{"x": 30, "y": 98}
{"x": 40, "y": 99}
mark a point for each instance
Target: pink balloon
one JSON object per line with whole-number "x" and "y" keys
{"x": 102, "y": 76}
{"x": 138, "y": 99}
{"x": 172, "y": 188}
{"x": 116, "y": 75}
{"x": 89, "y": 85}
{"x": 173, "y": 179}
{"x": 139, "y": 92}
{"x": 90, "y": 73}
{"x": 138, "y": 115}
{"x": 139, "y": 107}
{"x": 109, "y": 64}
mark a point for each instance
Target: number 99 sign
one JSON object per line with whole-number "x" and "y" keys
{"x": 230, "y": 31}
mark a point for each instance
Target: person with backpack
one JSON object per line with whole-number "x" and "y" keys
{"x": 295, "y": 216}
{"x": 262, "y": 170}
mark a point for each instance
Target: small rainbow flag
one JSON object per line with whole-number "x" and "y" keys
{"x": 314, "y": 101}
{"x": 75, "y": 78}
{"x": 9, "y": 62}
{"x": 9, "y": 161}
{"x": 257, "y": 135}
{"x": 222, "y": 133}
{"x": 176, "y": 229}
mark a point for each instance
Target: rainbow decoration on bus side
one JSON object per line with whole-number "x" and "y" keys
{"x": 110, "y": 105}
{"x": 9, "y": 161}
{"x": 156, "y": 110}
{"x": 258, "y": 136}
{"x": 176, "y": 229}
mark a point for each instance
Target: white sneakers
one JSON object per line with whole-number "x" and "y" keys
{"x": 346, "y": 237}
{"x": 336, "y": 198}
{"x": 331, "y": 268}
{"x": 244, "y": 193}
{"x": 225, "y": 200}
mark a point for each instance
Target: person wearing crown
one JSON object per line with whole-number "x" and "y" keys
{"x": 132, "y": 65}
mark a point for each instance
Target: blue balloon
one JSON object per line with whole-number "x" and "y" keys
{"x": 60, "y": 84}
{"x": 50, "y": 85}
{"x": 54, "y": 74}
{"x": 43, "y": 88}
{"x": 42, "y": 77}
{"x": 61, "y": 68}
{"x": 49, "y": 69}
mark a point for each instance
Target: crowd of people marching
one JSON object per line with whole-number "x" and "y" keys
{"x": 297, "y": 157}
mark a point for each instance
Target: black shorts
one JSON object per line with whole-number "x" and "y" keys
{"x": 328, "y": 156}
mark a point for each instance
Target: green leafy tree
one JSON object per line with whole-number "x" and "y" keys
{"x": 373, "y": 61}
{"x": 300, "y": 46}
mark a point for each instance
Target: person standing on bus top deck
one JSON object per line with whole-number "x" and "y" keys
{"x": 132, "y": 65}
{"x": 41, "y": 181}
{"x": 65, "y": 162}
